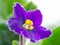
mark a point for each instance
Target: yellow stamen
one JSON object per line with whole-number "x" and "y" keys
{"x": 28, "y": 25}
{"x": 31, "y": 27}
{"x": 29, "y": 22}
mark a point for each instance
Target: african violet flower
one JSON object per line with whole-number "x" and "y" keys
{"x": 28, "y": 23}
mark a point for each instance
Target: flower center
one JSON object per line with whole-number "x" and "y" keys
{"x": 28, "y": 25}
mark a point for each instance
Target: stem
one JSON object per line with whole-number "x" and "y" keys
{"x": 21, "y": 40}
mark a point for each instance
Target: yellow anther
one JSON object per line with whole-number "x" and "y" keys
{"x": 29, "y": 22}
{"x": 31, "y": 27}
{"x": 28, "y": 25}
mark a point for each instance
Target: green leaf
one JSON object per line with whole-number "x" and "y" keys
{"x": 6, "y": 36}
{"x": 54, "y": 39}
{"x": 3, "y": 9}
{"x": 30, "y": 6}
{"x": 14, "y": 42}
{"x": 23, "y": 2}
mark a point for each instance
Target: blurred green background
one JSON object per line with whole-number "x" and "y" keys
{"x": 10, "y": 38}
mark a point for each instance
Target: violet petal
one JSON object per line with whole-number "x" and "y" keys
{"x": 24, "y": 32}
{"x": 42, "y": 32}
{"x": 35, "y": 16}
{"x": 33, "y": 36}
{"x": 15, "y": 25}
{"x": 19, "y": 12}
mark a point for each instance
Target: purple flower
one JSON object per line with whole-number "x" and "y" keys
{"x": 28, "y": 23}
